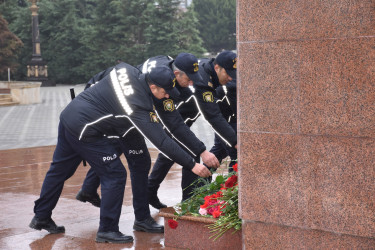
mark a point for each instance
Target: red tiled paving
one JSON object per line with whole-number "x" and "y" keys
{"x": 22, "y": 173}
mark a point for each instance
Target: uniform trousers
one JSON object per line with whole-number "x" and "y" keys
{"x": 139, "y": 163}
{"x": 103, "y": 157}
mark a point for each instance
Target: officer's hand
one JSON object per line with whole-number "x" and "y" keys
{"x": 201, "y": 170}
{"x": 210, "y": 159}
{"x": 235, "y": 146}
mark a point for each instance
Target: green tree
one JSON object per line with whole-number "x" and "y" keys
{"x": 188, "y": 34}
{"x": 217, "y": 23}
{"x": 82, "y": 37}
{"x": 136, "y": 21}
{"x": 61, "y": 26}
{"x": 160, "y": 33}
{"x": 10, "y": 46}
{"x": 8, "y": 9}
{"x": 19, "y": 19}
{"x": 116, "y": 32}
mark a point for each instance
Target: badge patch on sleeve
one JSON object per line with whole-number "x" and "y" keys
{"x": 208, "y": 97}
{"x": 168, "y": 105}
{"x": 154, "y": 117}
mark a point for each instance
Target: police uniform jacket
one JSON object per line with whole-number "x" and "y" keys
{"x": 177, "y": 113}
{"x": 205, "y": 93}
{"x": 121, "y": 101}
{"x": 227, "y": 100}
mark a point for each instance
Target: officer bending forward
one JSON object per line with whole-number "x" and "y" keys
{"x": 118, "y": 105}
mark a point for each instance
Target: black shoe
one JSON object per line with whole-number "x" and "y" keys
{"x": 154, "y": 201}
{"x": 148, "y": 225}
{"x": 92, "y": 198}
{"x": 46, "y": 224}
{"x": 113, "y": 237}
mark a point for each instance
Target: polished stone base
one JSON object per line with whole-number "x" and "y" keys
{"x": 192, "y": 233}
{"x": 258, "y": 235}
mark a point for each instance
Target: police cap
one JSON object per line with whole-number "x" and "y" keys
{"x": 188, "y": 63}
{"x": 163, "y": 77}
{"x": 228, "y": 61}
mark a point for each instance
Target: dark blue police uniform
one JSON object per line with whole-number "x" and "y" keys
{"x": 120, "y": 105}
{"x": 227, "y": 100}
{"x": 205, "y": 94}
{"x": 190, "y": 107}
{"x": 177, "y": 115}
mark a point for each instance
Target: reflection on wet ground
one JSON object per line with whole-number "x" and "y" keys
{"x": 22, "y": 173}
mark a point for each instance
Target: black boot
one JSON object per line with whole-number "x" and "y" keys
{"x": 94, "y": 199}
{"x": 148, "y": 225}
{"x": 46, "y": 224}
{"x": 154, "y": 201}
{"x": 113, "y": 237}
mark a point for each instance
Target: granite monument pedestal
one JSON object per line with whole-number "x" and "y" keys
{"x": 306, "y": 123}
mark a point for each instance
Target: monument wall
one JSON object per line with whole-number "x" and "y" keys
{"x": 306, "y": 127}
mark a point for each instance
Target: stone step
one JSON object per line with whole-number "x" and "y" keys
{"x": 5, "y": 96}
{"x": 6, "y": 100}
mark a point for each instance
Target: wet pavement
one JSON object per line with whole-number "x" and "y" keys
{"x": 21, "y": 175}
{"x": 27, "y": 141}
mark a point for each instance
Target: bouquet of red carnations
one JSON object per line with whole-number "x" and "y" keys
{"x": 217, "y": 199}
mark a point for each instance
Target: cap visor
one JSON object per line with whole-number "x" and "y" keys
{"x": 173, "y": 92}
{"x": 232, "y": 74}
{"x": 196, "y": 77}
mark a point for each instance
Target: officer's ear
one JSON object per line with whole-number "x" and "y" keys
{"x": 217, "y": 67}
{"x": 176, "y": 73}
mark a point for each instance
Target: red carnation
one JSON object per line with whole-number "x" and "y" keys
{"x": 231, "y": 181}
{"x": 216, "y": 213}
{"x": 172, "y": 224}
{"x": 235, "y": 167}
{"x": 213, "y": 197}
{"x": 204, "y": 205}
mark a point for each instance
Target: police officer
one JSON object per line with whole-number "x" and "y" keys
{"x": 227, "y": 100}
{"x": 118, "y": 105}
{"x": 185, "y": 68}
{"x": 173, "y": 112}
{"x": 214, "y": 73}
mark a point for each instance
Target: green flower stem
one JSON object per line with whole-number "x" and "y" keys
{"x": 229, "y": 217}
